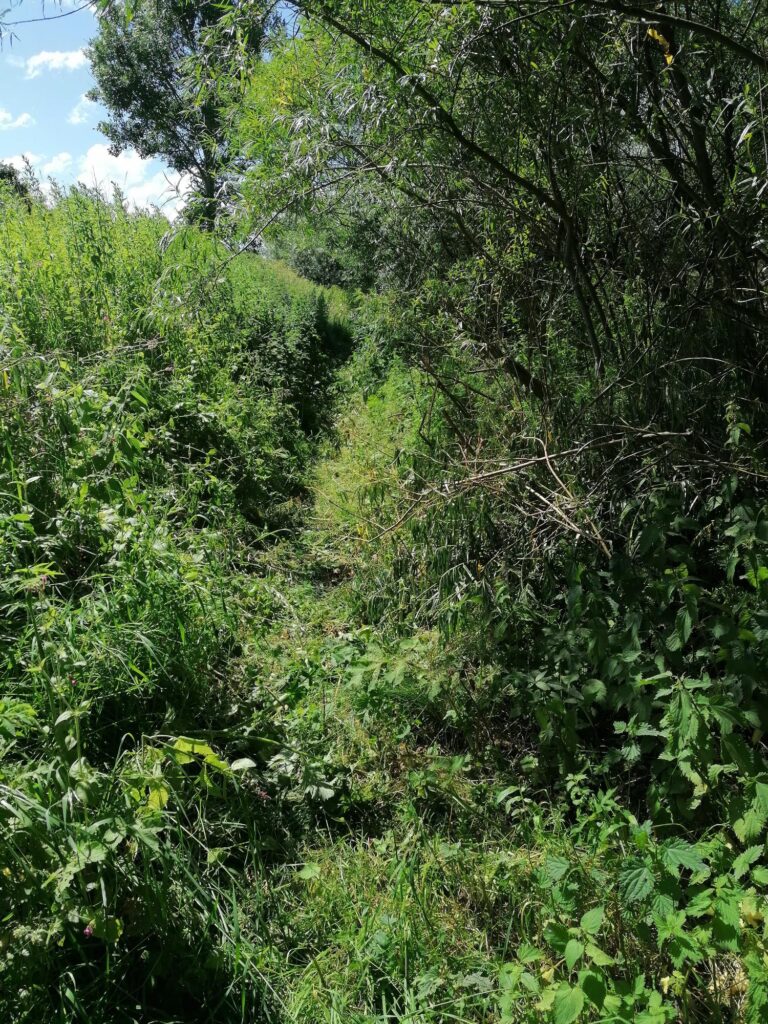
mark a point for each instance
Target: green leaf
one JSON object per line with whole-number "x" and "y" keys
{"x": 556, "y": 867}
{"x": 527, "y": 980}
{"x": 592, "y": 921}
{"x": 761, "y": 797}
{"x": 572, "y": 954}
{"x": 636, "y": 882}
{"x": 598, "y": 957}
{"x": 107, "y": 928}
{"x": 677, "y": 853}
{"x": 751, "y": 824}
{"x": 242, "y": 764}
{"x": 185, "y": 745}
{"x": 569, "y": 1002}
{"x": 593, "y": 986}
{"x": 309, "y": 871}
{"x": 526, "y": 953}
{"x": 745, "y": 860}
{"x": 556, "y": 935}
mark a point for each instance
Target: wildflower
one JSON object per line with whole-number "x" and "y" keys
{"x": 88, "y": 931}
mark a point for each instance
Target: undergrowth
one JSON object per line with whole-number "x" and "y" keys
{"x": 274, "y": 747}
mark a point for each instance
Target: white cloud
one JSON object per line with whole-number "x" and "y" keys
{"x": 82, "y": 110}
{"x": 20, "y": 160}
{"x": 8, "y": 121}
{"x": 57, "y": 164}
{"x": 140, "y": 180}
{"x": 55, "y": 60}
{"x": 99, "y": 167}
{"x": 143, "y": 186}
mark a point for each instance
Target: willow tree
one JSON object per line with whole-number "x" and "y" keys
{"x": 147, "y": 58}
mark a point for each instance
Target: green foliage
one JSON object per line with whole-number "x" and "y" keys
{"x": 431, "y": 686}
{"x": 144, "y": 58}
{"x": 158, "y": 412}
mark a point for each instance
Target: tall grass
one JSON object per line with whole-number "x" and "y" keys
{"x": 155, "y": 432}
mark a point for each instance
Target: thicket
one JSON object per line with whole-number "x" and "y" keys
{"x": 568, "y": 205}
{"x": 428, "y": 684}
{"x": 159, "y": 406}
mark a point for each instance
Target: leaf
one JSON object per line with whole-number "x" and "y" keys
{"x": 745, "y": 860}
{"x": 477, "y": 981}
{"x": 526, "y": 953}
{"x": 242, "y": 764}
{"x": 185, "y": 745}
{"x": 636, "y": 882}
{"x": 751, "y": 824}
{"x": 107, "y": 928}
{"x": 309, "y": 871}
{"x": 592, "y": 921}
{"x": 556, "y": 867}
{"x": 528, "y": 981}
{"x": 761, "y": 797}
{"x": 569, "y": 1002}
{"x": 598, "y": 956}
{"x": 677, "y": 853}
{"x": 593, "y": 986}
{"x": 684, "y": 625}
{"x": 159, "y": 794}
{"x": 573, "y": 952}
{"x": 556, "y": 935}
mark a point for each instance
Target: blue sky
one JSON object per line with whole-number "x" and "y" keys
{"x": 45, "y": 116}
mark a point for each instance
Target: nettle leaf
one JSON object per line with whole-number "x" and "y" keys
{"x": 556, "y": 868}
{"x": 526, "y": 953}
{"x": 684, "y": 949}
{"x": 592, "y": 921}
{"x": 684, "y": 625}
{"x": 662, "y": 904}
{"x": 556, "y": 935}
{"x": 677, "y": 853}
{"x": 761, "y": 797}
{"x": 751, "y": 824}
{"x": 528, "y": 981}
{"x": 593, "y": 986}
{"x": 636, "y": 882}
{"x": 573, "y": 952}
{"x": 745, "y": 860}
{"x": 569, "y": 1002}
{"x": 598, "y": 956}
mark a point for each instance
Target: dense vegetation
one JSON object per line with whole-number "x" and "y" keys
{"x": 385, "y": 550}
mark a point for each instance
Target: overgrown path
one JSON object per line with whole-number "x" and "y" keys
{"x": 263, "y": 759}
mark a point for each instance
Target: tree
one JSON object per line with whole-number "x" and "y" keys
{"x": 146, "y": 59}
{"x": 11, "y": 177}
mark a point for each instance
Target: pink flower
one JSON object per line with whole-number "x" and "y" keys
{"x": 88, "y": 931}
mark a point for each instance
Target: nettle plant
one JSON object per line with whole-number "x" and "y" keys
{"x": 680, "y": 933}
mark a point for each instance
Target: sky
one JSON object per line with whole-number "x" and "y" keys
{"x": 45, "y": 116}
